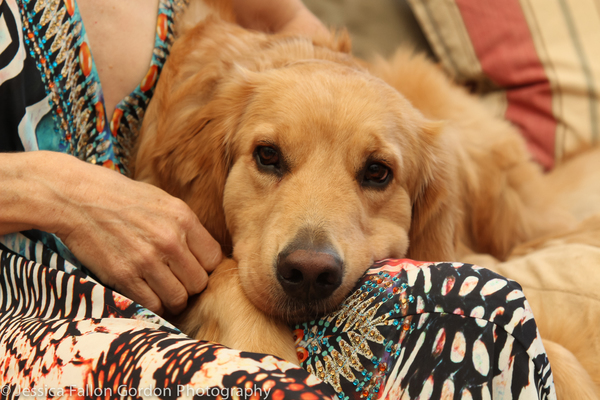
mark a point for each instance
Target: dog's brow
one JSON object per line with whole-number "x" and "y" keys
{"x": 267, "y": 142}
{"x": 379, "y": 156}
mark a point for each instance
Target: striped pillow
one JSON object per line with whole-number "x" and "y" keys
{"x": 536, "y": 61}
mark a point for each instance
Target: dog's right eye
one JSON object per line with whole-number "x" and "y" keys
{"x": 376, "y": 175}
{"x": 267, "y": 157}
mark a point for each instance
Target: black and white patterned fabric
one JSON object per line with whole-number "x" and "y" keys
{"x": 429, "y": 331}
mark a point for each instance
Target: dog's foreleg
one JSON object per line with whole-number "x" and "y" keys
{"x": 223, "y": 314}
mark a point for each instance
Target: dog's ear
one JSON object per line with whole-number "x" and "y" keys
{"x": 183, "y": 144}
{"x": 435, "y": 213}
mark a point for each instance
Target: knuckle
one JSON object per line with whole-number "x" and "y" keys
{"x": 184, "y": 215}
{"x": 126, "y": 276}
{"x": 172, "y": 248}
{"x": 180, "y": 208}
{"x": 146, "y": 256}
{"x": 170, "y": 240}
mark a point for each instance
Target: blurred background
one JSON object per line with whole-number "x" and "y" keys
{"x": 376, "y": 26}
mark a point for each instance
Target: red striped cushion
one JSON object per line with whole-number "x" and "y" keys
{"x": 536, "y": 61}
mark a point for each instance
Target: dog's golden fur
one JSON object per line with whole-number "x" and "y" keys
{"x": 571, "y": 380}
{"x": 460, "y": 178}
{"x": 223, "y": 314}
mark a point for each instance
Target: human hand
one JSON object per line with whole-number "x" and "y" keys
{"x": 278, "y": 16}
{"x": 304, "y": 22}
{"x": 135, "y": 237}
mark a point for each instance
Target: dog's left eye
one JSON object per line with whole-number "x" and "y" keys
{"x": 376, "y": 175}
{"x": 267, "y": 156}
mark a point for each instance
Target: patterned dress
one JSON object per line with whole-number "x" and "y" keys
{"x": 410, "y": 330}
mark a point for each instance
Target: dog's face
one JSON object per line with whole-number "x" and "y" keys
{"x": 312, "y": 170}
{"x": 320, "y": 186}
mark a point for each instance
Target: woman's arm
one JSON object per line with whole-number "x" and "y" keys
{"x": 135, "y": 237}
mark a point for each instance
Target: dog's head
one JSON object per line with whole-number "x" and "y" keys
{"x": 311, "y": 169}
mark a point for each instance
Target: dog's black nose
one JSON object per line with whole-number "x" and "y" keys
{"x": 309, "y": 275}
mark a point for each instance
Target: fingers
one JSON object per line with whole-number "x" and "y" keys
{"x": 204, "y": 248}
{"x": 179, "y": 267}
{"x": 175, "y": 265}
{"x": 198, "y": 241}
{"x": 161, "y": 288}
{"x": 137, "y": 289}
{"x": 170, "y": 290}
{"x": 190, "y": 273}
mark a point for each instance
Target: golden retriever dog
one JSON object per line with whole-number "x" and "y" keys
{"x": 307, "y": 166}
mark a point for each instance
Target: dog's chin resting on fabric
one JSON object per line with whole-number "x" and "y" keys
{"x": 307, "y": 166}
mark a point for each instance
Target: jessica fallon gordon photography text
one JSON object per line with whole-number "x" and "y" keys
{"x": 123, "y": 391}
